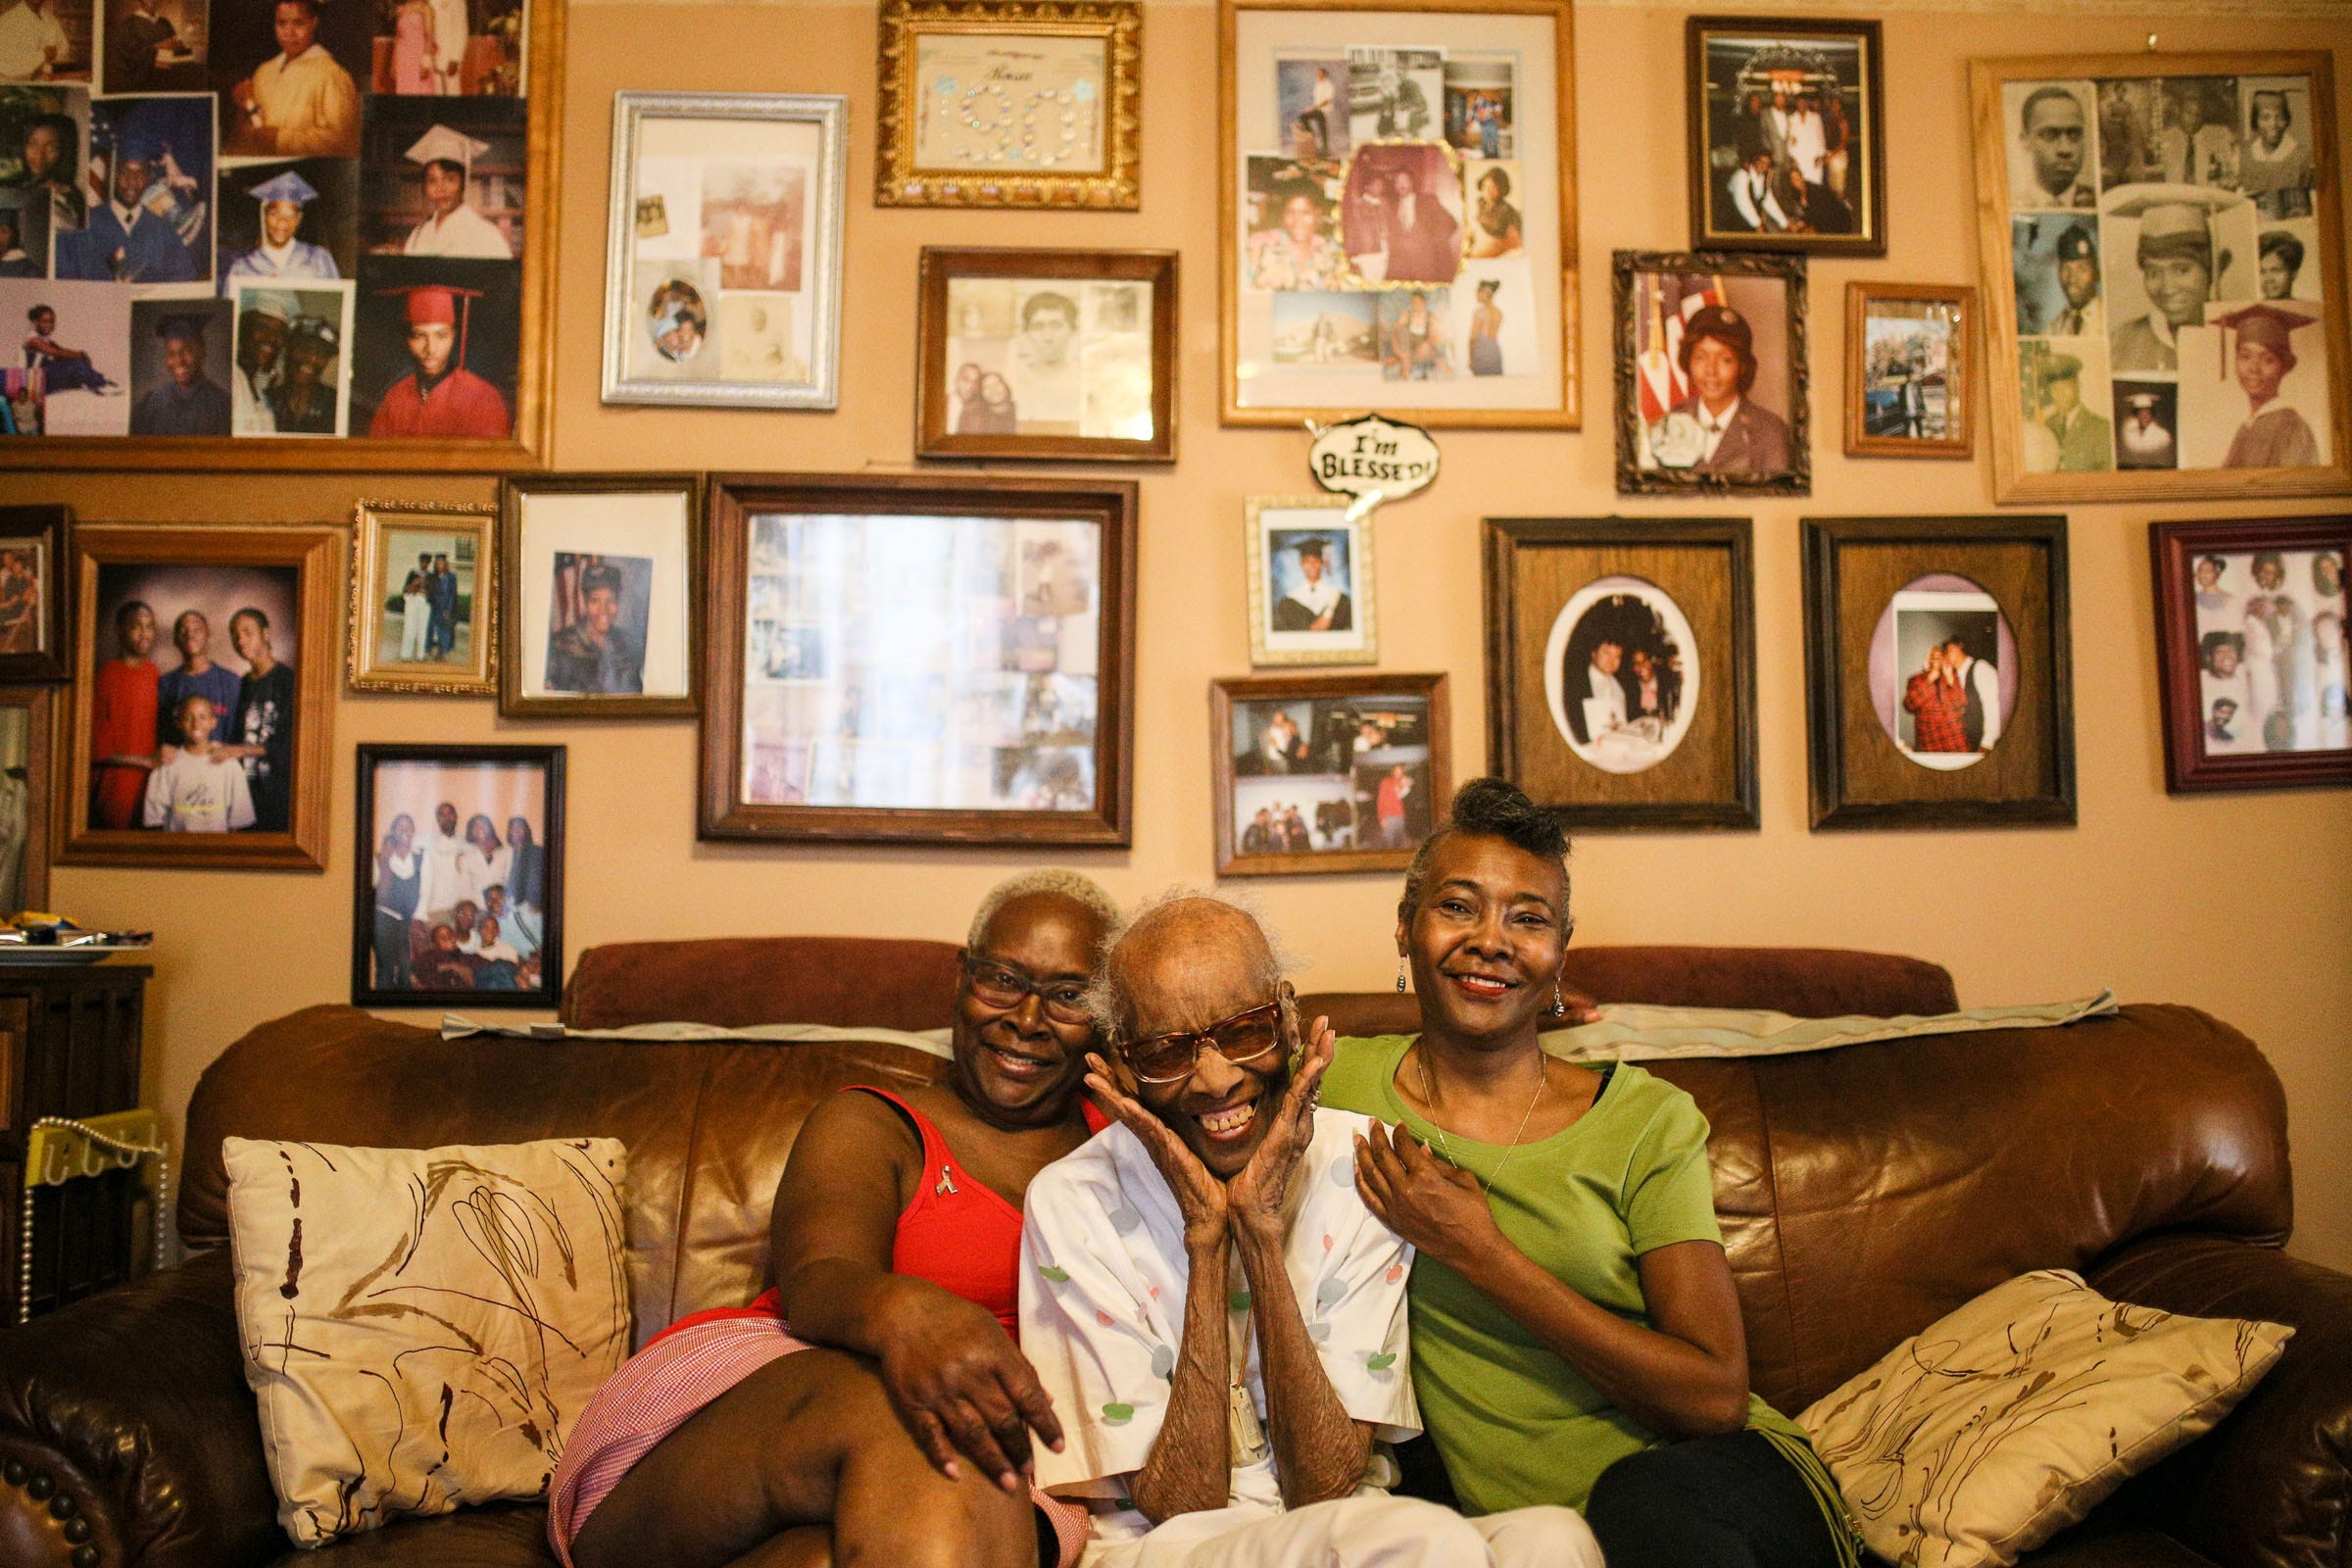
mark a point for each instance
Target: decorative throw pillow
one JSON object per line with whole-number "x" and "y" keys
{"x": 2014, "y": 1416}
{"x": 423, "y": 1327}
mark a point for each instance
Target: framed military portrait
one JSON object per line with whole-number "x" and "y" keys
{"x": 1788, "y": 135}
{"x": 1711, "y": 376}
{"x": 2163, "y": 241}
{"x": 599, "y": 596}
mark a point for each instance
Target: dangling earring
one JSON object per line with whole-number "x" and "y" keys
{"x": 1560, "y": 1004}
{"x": 1400, "y": 973}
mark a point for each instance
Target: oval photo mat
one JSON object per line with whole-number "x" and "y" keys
{"x": 1922, "y": 616}
{"x": 1643, "y": 622}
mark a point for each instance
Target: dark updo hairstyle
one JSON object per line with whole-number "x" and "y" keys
{"x": 1495, "y": 807}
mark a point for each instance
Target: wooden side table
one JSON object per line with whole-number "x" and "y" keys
{"x": 69, "y": 1037}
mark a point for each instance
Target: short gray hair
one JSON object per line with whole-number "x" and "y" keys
{"x": 1073, "y": 885}
{"x": 1106, "y": 1003}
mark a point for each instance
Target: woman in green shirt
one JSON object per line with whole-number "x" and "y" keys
{"x": 1576, "y": 1334}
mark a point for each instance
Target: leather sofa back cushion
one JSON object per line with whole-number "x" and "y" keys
{"x": 848, "y": 982}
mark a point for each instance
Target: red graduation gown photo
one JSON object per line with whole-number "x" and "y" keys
{"x": 462, "y": 406}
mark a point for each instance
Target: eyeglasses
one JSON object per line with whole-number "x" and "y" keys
{"x": 1003, "y": 986}
{"x": 1245, "y": 1036}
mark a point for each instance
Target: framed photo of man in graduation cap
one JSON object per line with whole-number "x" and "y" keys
{"x": 2173, "y": 322}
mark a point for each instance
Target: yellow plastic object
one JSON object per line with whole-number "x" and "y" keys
{"x": 56, "y": 1154}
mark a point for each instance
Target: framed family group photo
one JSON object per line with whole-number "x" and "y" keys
{"x": 1621, "y": 668}
{"x": 423, "y": 598}
{"x": 1711, "y": 374}
{"x": 1788, "y": 135}
{"x": 600, "y": 609}
{"x": 1045, "y": 354}
{"x": 1938, "y": 671}
{"x": 2163, "y": 240}
{"x": 2251, "y": 618}
{"x": 722, "y": 264}
{"x": 1322, "y": 774}
{"x": 1398, "y": 218}
{"x": 915, "y": 658}
{"x": 1010, "y": 103}
{"x": 1309, "y": 567}
{"x": 458, "y": 891}
{"x": 199, "y": 733}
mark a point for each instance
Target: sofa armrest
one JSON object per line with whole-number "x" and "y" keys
{"x": 2271, "y": 1485}
{"x": 130, "y": 1410}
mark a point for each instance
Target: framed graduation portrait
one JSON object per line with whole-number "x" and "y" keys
{"x": 1788, "y": 135}
{"x": 2163, "y": 240}
{"x": 1309, "y": 568}
{"x": 1711, "y": 374}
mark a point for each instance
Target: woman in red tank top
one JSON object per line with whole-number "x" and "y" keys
{"x": 730, "y": 1438}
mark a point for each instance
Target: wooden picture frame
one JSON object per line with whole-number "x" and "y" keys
{"x": 1664, "y": 444}
{"x": 385, "y": 652}
{"x": 1117, "y": 304}
{"x": 1369, "y": 742}
{"x": 1924, "y": 373}
{"x": 1818, "y": 199}
{"x": 295, "y": 571}
{"x": 687, "y": 330}
{"x": 1883, "y": 596}
{"x": 944, "y": 147}
{"x": 2218, "y": 585}
{"x": 504, "y": 116}
{"x": 563, "y": 540}
{"x": 822, "y": 739}
{"x": 1557, "y": 591}
{"x": 1307, "y": 328}
{"x": 28, "y": 747}
{"x": 1276, "y": 527}
{"x": 2100, "y": 390}
{"x": 408, "y": 950}
{"x": 36, "y": 632}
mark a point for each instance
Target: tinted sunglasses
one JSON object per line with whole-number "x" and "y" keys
{"x": 1168, "y": 1058}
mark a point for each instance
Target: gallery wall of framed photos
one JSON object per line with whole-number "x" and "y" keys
{"x": 2019, "y": 913}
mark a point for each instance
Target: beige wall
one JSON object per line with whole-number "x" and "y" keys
{"x": 2238, "y": 903}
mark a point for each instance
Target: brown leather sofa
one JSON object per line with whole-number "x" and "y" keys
{"x": 1863, "y": 1193}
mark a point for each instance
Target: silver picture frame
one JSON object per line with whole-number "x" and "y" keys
{"x": 786, "y": 140}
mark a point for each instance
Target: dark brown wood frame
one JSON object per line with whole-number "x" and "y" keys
{"x": 56, "y": 525}
{"x": 1634, "y": 480}
{"x": 511, "y": 493}
{"x": 1224, "y": 693}
{"x": 730, "y": 502}
{"x": 1825, "y": 676}
{"x": 40, "y": 785}
{"x": 549, "y": 989}
{"x": 2173, "y": 547}
{"x": 1872, "y": 241}
{"x": 316, "y": 555}
{"x": 1505, "y": 537}
{"x": 940, "y": 264}
{"x": 1959, "y": 389}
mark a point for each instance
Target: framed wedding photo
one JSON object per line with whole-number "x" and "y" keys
{"x": 723, "y": 262}
{"x": 1711, "y": 374}
{"x": 1010, "y": 103}
{"x": 2251, "y": 655}
{"x": 1910, "y": 358}
{"x": 919, "y": 658}
{"x": 599, "y": 596}
{"x": 1621, "y": 659}
{"x": 1938, "y": 673}
{"x": 2163, "y": 244}
{"x": 1398, "y": 219}
{"x": 1788, "y": 135}
{"x": 1046, "y": 355}
{"x": 35, "y": 627}
{"x": 1323, "y": 774}
{"x": 200, "y": 733}
{"x": 1311, "y": 580}
{"x": 423, "y": 598}
{"x": 458, "y": 877}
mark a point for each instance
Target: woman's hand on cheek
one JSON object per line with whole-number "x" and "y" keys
{"x": 1439, "y": 1210}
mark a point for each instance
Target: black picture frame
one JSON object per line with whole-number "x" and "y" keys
{"x": 1712, "y": 229}
{"x": 1860, "y": 776}
{"x": 1630, "y": 332}
{"x": 548, "y": 991}
{"x": 53, "y": 528}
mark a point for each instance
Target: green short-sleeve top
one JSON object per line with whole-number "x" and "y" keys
{"x": 1515, "y": 1423}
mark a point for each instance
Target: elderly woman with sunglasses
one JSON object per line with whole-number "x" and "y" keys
{"x": 1577, "y": 1336}
{"x": 873, "y": 1407}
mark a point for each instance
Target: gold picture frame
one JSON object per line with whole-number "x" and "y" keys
{"x": 378, "y": 578}
{"x": 957, "y": 134}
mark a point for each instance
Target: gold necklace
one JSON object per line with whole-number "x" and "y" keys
{"x": 1429, "y": 1098}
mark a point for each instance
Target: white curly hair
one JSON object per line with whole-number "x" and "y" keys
{"x": 1107, "y": 1002}
{"x": 1073, "y": 885}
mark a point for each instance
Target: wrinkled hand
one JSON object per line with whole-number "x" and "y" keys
{"x": 958, "y": 1383}
{"x": 1256, "y": 1193}
{"x": 1200, "y": 1197}
{"x": 1441, "y": 1209}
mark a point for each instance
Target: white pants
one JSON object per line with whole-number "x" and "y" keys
{"x": 1366, "y": 1531}
{"x": 413, "y": 618}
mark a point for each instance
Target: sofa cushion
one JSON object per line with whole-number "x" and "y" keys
{"x": 734, "y": 981}
{"x": 423, "y": 1327}
{"x": 2004, "y": 1422}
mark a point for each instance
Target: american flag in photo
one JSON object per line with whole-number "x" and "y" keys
{"x": 1674, "y": 298}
